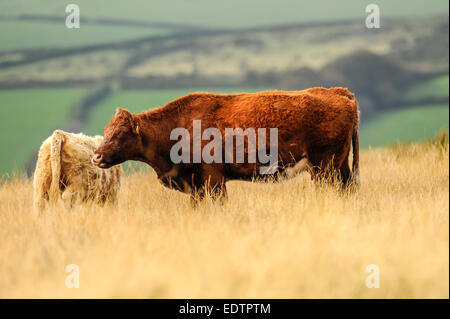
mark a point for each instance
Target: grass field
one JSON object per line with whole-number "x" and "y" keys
{"x": 27, "y": 118}
{"x": 407, "y": 125}
{"x": 292, "y": 239}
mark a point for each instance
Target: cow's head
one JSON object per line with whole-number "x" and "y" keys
{"x": 121, "y": 140}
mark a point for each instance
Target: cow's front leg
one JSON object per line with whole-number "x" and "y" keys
{"x": 217, "y": 192}
{"x": 213, "y": 184}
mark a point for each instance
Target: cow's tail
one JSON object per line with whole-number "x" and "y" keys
{"x": 355, "y": 145}
{"x": 55, "y": 160}
{"x": 40, "y": 180}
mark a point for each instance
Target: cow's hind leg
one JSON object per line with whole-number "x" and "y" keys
{"x": 323, "y": 168}
{"x": 333, "y": 169}
{"x": 345, "y": 173}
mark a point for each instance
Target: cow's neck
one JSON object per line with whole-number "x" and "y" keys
{"x": 155, "y": 128}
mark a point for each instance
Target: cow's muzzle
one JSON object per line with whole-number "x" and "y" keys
{"x": 98, "y": 161}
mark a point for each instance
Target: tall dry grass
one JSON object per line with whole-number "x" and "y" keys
{"x": 292, "y": 239}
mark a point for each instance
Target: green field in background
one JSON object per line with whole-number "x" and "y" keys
{"x": 27, "y": 117}
{"x": 434, "y": 88}
{"x": 414, "y": 124}
{"x": 16, "y": 35}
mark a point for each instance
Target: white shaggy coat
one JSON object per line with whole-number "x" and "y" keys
{"x": 64, "y": 171}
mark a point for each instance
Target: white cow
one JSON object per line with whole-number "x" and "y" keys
{"x": 64, "y": 171}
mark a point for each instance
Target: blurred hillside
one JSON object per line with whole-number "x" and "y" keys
{"x": 224, "y": 14}
{"x": 142, "y": 54}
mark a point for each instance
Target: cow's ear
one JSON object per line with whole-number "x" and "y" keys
{"x": 122, "y": 111}
{"x": 135, "y": 125}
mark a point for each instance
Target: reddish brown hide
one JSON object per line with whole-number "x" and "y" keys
{"x": 317, "y": 126}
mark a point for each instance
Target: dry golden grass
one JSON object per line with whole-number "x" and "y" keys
{"x": 292, "y": 239}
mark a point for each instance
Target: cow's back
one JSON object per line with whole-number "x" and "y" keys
{"x": 76, "y": 153}
{"x": 316, "y": 116}
{"x": 93, "y": 182}
{"x": 266, "y": 109}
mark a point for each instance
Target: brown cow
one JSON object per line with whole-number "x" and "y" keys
{"x": 315, "y": 127}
